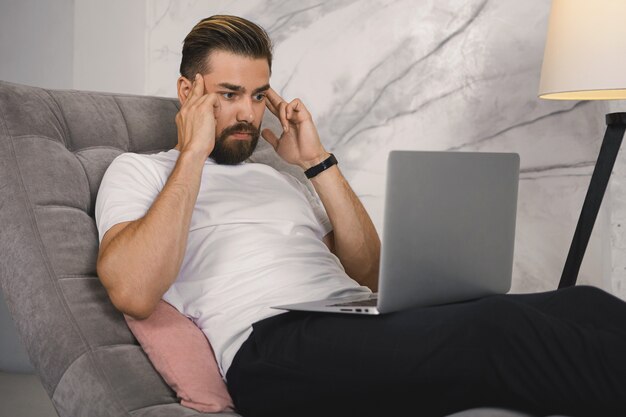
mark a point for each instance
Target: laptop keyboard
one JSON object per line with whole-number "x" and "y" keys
{"x": 371, "y": 302}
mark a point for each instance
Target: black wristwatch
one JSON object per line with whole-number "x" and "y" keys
{"x": 322, "y": 166}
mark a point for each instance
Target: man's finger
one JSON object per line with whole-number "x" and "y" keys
{"x": 279, "y": 113}
{"x": 212, "y": 101}
{"x": 193, "y": 91}
{"x": 271, "y": 107}
{"x": 283, "y": 116}
{"x": 277, "y": 105}
{"x": 274, "y": 98}
{"x": 295, "y": 106}
{"x": 198, "y": 87}
{"x": 270, "y": 137}
{"x": 217, "y": 106}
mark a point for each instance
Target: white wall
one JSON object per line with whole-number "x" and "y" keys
{"x": 81, "y": 44}
{"x": 36, "y": 42}
{"x": 109, "y": 46}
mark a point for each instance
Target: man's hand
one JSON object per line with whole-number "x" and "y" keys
{"x": 196, "y": 120}
{"x": 299, "y": 143}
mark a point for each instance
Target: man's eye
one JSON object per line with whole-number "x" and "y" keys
{"x": 259, "y": 97}
{"x": 228, "y": 96}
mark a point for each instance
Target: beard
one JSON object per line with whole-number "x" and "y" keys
{"x": 234, "y": 151}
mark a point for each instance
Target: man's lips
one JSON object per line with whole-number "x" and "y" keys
{"x": 241, "y": 135}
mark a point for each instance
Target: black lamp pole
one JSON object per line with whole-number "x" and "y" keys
{"x": 616, "y": 125}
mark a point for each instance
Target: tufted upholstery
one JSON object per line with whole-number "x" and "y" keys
{"x": 54, "y": 149}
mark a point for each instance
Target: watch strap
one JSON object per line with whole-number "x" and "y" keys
{"x": 321, "y": 167}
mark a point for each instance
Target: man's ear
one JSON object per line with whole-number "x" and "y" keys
{"x": 183, "y": 86}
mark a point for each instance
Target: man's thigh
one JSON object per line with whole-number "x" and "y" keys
{"x": 373, "y": 362}
{"x": 347, "y": 346}
{"x": 496, "y": 351}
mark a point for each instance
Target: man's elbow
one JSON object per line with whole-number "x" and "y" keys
{"x": 372, "y": 272}
{"x": 132, "y": 305}
{"x": 123, "y": 298}
{"x": 372, "y": 280}
{"x": 365, "y": 273}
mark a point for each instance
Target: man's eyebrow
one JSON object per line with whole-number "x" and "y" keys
{"x": 241, "y": 89}
{"x": 232, "y": 87}
{"x": 261, "y": 89}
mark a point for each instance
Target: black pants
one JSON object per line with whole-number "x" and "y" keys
{"x": 559, "y": 352}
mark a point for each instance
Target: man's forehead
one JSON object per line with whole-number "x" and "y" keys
{"x": 229, "y": 65}
{"x": 236, "y": 72}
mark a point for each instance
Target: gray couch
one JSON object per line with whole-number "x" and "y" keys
{"x": 55, "y": 146}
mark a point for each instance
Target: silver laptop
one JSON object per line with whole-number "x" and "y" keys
{"x": 449, "y": 232}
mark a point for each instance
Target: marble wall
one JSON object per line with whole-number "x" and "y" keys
{"x": 457, "y": 75}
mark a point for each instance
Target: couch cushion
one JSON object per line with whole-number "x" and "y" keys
{"x": 181, "y": 353}
{"x": 54, "y": 149}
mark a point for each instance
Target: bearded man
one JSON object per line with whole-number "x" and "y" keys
{"x": 223, "y": 240}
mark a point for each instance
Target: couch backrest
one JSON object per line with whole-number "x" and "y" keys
{"x": 55, "y": 146}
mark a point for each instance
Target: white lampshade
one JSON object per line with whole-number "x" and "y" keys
{"x": 585, "y": 54}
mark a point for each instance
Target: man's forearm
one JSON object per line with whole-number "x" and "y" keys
{"x": 357, "y": 244}
{"x": 144, "y": 259}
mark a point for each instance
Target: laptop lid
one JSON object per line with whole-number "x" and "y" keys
{"x": 449, "y": 227}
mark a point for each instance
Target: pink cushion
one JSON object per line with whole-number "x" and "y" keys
{"x": 183, "y": 356}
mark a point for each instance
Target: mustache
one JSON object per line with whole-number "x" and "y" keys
{"x": 242, "y": 127}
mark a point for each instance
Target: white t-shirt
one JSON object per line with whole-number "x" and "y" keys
{"x": 255, "y": 241}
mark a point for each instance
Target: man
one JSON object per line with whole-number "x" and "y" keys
{"x": 223, "y": 240}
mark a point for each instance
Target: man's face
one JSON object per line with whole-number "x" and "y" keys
{"x": 240, "y": 83}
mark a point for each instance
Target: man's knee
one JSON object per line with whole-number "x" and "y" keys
{"x": 585, "y": 293}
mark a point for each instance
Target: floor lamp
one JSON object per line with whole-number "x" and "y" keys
{"x": 585, "y": 59}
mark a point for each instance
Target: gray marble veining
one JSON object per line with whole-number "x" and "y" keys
{"x": 456, "y": 75}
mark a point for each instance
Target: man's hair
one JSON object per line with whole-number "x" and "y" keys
{"x": 223, "y": 33}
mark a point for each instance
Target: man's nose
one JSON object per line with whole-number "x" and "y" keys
{"x": 245, "y": 113}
